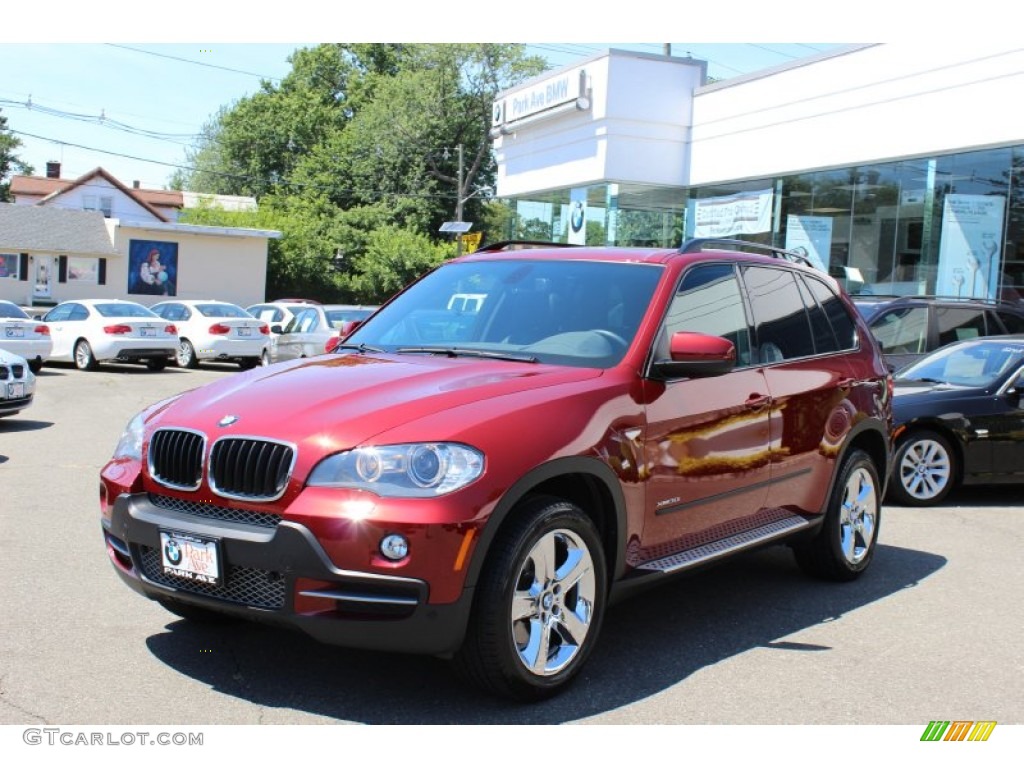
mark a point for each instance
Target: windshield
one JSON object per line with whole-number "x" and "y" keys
{"x": 222, "y": 310}
{"x": 966, "y": 365}
{"x": 12, "y": 310}
{"x": 125, "y": 309}
{"x": 577, "y": 313}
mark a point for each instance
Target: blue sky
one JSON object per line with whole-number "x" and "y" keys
{"x": 81, "y": 88}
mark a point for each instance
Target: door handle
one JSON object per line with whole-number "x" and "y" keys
{"x": 756, "y": 401}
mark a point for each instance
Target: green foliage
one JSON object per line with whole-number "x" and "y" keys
{"x": 356, "y": 152}
{"x": 8, "y": 160}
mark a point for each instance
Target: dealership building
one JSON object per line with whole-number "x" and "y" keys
{"x": 895, "y": 167}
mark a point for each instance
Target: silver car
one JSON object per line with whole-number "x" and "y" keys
{"x": 17, "y": 383}
{"x": 312, "y": 326}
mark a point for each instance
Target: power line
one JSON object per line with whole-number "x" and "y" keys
{"x": 193, "y": 61}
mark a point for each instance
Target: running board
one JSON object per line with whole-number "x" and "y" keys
{"x": 716, "y": 549}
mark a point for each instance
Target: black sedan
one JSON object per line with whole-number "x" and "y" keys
{"x": 958, "y": 418}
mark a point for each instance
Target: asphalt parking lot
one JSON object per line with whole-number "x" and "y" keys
{"x": 931, "y": 632}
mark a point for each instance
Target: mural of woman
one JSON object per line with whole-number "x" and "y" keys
{"x": 153, "y": 273}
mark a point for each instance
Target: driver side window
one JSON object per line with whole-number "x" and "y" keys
{"x": 709, "y": 301}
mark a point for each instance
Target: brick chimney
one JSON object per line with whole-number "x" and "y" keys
{"x": 53, "y": 170}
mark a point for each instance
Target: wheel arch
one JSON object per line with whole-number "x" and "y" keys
{"x": 588, "y": 483}
{"x": 872, "y": 437}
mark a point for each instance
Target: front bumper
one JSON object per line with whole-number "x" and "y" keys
{"x": 280, "y": 574}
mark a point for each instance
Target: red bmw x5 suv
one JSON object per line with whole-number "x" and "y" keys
{"x": 480, "y": 480}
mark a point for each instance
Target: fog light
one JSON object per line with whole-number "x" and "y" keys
{"x": 394, "y": 547}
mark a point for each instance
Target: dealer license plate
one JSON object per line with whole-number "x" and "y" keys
{"x": 148, "y": 331}
{"x": 245, "y": 331}
{"x": 16, "y": 390}
{"x": 17, "y": 332}
{"x": 190, "y": 557}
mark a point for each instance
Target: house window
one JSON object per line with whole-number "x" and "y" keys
{"x": 104, "y": 203}
{"x": 9, "y": 266}
{"x": 81, "y": 270}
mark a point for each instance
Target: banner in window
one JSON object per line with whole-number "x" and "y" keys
{"x": 810, "y": 236}
{"x": 742, "y": 213}
{"x": 969, "y": 252}
{"x": 153, "y": 268}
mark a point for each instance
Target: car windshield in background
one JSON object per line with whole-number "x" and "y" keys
{"x": 338, "y": 317}
{"x": 124, "y": 309}
{"x": 976, "y": 364}
{"x": 222, "y": 310}
{"x": 576, "y": 313}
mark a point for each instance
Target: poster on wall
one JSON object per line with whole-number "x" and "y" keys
{"x": 810, "y": 236}
{"x": 742, "y": 213}
{"x": 153, "y": 268}
{"x": 42, "y": 287}
{"x": 578, "y": 216}
{"x": 971, "y": 242}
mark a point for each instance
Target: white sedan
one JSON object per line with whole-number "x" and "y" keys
{"x": 215, "y": 331}
{"x": 17, "y": 383}
{"x": 24, "y": 336}
{"x": 93, "y": 331}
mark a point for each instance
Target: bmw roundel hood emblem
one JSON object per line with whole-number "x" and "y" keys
{"x": 227, "y": 421}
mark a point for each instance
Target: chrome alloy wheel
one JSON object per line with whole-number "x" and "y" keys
{"x": 553, "y": 603}
{"x": 858, "y": 516}
{"x": 925, "y": 469}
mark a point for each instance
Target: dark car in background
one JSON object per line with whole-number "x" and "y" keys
{"x": 909, "y": 327}
{"x": 958, "y": 418}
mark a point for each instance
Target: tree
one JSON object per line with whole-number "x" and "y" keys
{"x": 8, "y": 160}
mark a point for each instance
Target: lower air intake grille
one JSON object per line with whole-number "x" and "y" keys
{"x": 246, "y": 586}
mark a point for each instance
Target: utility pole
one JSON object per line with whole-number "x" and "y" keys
{"x": 459, "y": 200}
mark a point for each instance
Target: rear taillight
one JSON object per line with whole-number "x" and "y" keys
{"x": 171, "y": 329}
{"x": 117, "y": 329}
{"x": 219, "y": 329}
{"x": 331, "y": 343}
{"x": 265, "y": 330}
{"x": 43, "y": 330}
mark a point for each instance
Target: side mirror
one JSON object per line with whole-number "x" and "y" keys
{"x": 694, "y": 355}
{"x": 276, "y": 329}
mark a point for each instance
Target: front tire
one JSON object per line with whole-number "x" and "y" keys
{"x": 844, "y": 546}
{"x": 924, "y": 470}
{"x": 85, "y": 360}
{"x": 539, "y": 604}
{"x": 186, "y": 355}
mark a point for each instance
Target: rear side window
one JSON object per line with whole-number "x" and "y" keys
{"x": 843, "y": 325}
{"x": 781, "y": 327}
{"x": 959, "y": 323}
{"x": 1013, "y": 323}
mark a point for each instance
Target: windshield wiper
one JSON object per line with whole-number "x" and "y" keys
{"x": 461, "y": 352}
{"x": 364, "y": 348}
{"x": 926, "y": 380}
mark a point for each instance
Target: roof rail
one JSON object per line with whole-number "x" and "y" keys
{"x": 518, "y": 245}
{"x": 995, "y": 301}
{"x": 700, "y": 243}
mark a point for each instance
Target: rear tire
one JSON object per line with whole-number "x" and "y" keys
{"x": 845, "y": 544}
{"x": 186, "y": 355}
{"x": 539, "y": 603}
{"x": 35, "y": 365}
{"x": 156, "y": 364}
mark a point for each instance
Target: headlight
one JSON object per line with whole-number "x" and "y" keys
{"x": 130, "y": 444}
{"x": 410, "y": 470}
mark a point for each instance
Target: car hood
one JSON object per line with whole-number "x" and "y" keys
{"x": 343, "y": 401}
{"x": 911, "y": 399}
